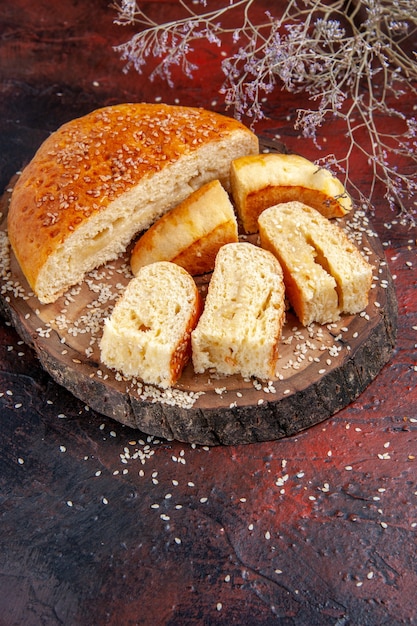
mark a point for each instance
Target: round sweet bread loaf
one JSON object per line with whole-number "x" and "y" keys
{"x": 101, "y": 179}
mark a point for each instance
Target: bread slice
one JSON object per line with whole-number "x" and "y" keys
{"x": 148, "y": 333}
{"x": 241, "y": 325}
{"x": 191, "y": 233}
{"x": 324, "y": 273}
{"x": 101, "y": 179}
{"x": 261, "y": 181}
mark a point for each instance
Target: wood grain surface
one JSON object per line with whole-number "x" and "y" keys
{"x": 103, "y": 524}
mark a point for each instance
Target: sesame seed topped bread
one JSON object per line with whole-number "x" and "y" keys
{"x": 241, "y": 325}
{"x": 191, "y": 233}
{"x": 324, "y": 273}
{"x": 101, "y": 179}
{"x": 263, "y": 180}
{"x": 148, "y": 333}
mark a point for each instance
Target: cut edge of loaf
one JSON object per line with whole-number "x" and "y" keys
{"x": 107, "y": 234}
{"x": 148, "y": 334}
{"x": 75, "y": 188}
{"x": 324, "y": 272}
{"x": 241, "y": 324}
{"x": 191, "y": 233}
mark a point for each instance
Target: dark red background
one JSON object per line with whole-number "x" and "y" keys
{"x": 334, "y": 543}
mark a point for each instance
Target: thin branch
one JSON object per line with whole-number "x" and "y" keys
{"x": 346, "y": 56}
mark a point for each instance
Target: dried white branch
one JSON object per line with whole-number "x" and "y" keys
{"x": 349, "y": 58}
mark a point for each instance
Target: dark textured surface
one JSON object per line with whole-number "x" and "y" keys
{"x": 318, "y": 529}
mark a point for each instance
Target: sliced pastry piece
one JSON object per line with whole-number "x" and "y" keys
{"x": 260, "y": 181}
{"x": 191, "y": 233}
{"x": 148, "y": 334}
{"x": 101, "y": 179}
{"x": 324, "y": 272}
{"x": 241, "y": 325}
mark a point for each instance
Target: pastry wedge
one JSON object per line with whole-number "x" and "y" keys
{"x": 263, "y": 180}
{"x": 190, "y": 234}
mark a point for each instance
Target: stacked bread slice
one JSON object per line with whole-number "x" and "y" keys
{"x": 302, "y": 256}
{"x": 325, "y": 274}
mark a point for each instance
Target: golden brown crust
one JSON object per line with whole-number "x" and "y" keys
{"x": 261, "y": 181}
{"x": 88, "y": 162}
{"x": 258, "y": 201}
{"x": 200, "y": 257}
{"x": 182, "y": 353}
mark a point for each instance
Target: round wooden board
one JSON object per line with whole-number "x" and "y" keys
{"x": 321, "y": 369}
